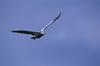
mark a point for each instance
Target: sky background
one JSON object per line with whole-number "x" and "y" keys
{"x": 74, "y": 40}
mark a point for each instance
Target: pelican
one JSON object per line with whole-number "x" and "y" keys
{"x": 36, "y": 35}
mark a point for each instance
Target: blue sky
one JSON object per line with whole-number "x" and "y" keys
{"x": 74, "y": 40}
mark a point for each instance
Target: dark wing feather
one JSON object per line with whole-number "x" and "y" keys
{"x": 23, "y": 32}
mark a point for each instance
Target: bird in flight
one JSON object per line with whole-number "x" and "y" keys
{"x": 39, "y": 34}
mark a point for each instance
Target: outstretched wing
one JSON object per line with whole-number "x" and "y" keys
{"x": 44, "y": 28}
{"x": 24, "y": 32}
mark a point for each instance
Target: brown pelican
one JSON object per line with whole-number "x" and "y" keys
{"x": 38, "y": 34}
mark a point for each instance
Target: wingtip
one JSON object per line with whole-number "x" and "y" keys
{"x": 59, "y": 13}
{"x": 13, "y": 31}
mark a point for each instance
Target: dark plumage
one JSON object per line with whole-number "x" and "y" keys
{"x": 37, "y": 34}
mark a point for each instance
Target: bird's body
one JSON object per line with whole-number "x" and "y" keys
{"x": 37, "y": 34}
